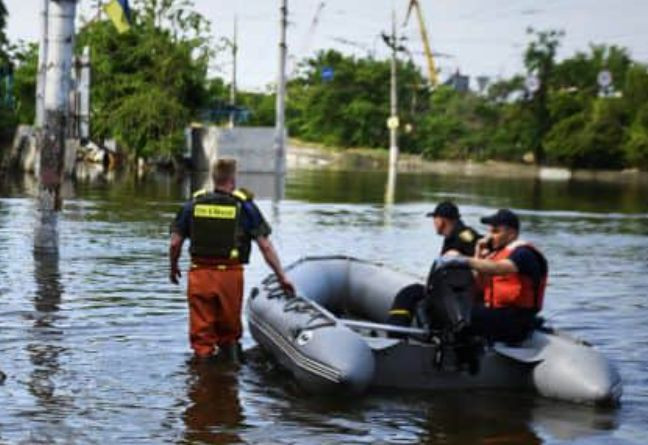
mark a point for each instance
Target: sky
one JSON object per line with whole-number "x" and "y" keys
{"x": 477, "y": 37}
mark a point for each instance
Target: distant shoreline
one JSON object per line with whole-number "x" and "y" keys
{"x": 303, "y": 155}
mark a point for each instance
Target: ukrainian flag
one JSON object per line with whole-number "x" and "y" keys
{"x": 119, "y": 13}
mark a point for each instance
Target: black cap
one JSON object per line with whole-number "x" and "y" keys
{"x": 445, "y": 209}
{"x": 503, "y": 217}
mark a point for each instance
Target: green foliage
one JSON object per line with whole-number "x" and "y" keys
{"x": 149, "y": 82}
{"x": 26, "y": 59}
{"x": 636, "y": 146}
{"x": 262, "y": 107}
{"x": 351, "y": 109}
{"x": 4, "y": 58}
{"x": 7, "y": 115}
{"x": 456, "y": 125}
{"x": 590, "y": 139}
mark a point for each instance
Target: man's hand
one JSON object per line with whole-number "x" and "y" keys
{"x": 287, "y": 285}
{"x": 175, "y": 248}
{"x": 483, "y": 247}
{"x": 174, "y": 274}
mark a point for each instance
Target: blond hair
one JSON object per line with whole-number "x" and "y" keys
{"x": 223, "y": 170}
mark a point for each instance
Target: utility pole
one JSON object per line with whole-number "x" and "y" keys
{"x": 84, "y": 95}
{"x": 61, "y": 14}
{"x": 280, "y": 113}
{"x": 42, "y": 67}
{"x": 233, "y": 83}
{"x": 393, "y": 99}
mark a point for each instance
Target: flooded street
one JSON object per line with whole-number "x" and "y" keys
{"x": 94, "y": 342}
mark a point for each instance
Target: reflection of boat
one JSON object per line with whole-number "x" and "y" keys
{"x": 333, "y": 337}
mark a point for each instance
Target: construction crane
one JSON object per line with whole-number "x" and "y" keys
{"x": 432, "y": 72}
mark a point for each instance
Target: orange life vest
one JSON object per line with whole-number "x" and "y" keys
{"x": 514, "y": 289}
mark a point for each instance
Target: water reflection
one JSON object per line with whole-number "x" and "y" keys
{"x": 214, "y": 414}
{"x": 390, "y": 187}
{"x": 48, "y": 288}
{"x": 45, "y": 348}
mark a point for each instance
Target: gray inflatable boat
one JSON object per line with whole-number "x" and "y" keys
{"x": 332, "y": 336}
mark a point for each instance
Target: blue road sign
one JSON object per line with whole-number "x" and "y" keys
{"x": 327, "y": 74}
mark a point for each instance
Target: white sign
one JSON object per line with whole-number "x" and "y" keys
{"x": 532, "y": 83}
{"x": 604, "y": 79}
{"x": 392, "y": 122}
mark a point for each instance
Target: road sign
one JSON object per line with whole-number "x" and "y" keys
{"x": 604, "y": 78}
{"x": 393, "y": 122}
{"x": 327, "y": 73}
{"x": 532, "y": 83}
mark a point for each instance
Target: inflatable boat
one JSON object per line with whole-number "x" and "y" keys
{"x": 332, "y": 336}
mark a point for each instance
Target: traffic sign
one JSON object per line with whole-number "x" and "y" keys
{"x": 532, "y": 83}
{"x": 393, "y": 122}
{"x": 604, "y": 78}
{"x": 327, "y": 73}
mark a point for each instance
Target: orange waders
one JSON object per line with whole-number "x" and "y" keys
{"x": 215, "y": 294}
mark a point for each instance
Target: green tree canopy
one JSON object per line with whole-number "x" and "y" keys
{"x": 149, "y": 82}
{"x": 352, "y": 107}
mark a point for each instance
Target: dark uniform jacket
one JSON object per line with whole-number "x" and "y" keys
{"x": 462, "y": 239}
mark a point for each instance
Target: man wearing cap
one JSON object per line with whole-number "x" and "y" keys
{"x": 458, "y": 239}
{"x": 513, "y": 275}
{"x": 221, "y": 225}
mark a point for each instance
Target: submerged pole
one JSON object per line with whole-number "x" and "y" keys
{"x": 61, "y": 14}
{"x": 280, "y": 113}
{"x": 393, "y": 99}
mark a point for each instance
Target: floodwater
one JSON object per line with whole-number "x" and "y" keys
{"x": 94, "y": 343}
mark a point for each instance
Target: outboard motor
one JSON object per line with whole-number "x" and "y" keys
{"x": 450, "y": 292}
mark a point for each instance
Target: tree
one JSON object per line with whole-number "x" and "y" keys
{"x": 636, "y": 145}
{"x": 26, "y": 59}
{"x": 150, "y": 82}
{"x": 351, "y": 108}
{"x": 7, "y": 116}
{"x": 4, "y": 58}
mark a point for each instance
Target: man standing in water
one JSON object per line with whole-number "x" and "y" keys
{"x": 458, "y": 239}
{"x": 221, "y": 225}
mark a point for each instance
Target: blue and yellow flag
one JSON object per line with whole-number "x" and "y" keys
{"x": 119, "y": 13}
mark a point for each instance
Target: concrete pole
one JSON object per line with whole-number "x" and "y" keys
{"x": 393, "y": 127}
{"x": 42, "y": 67}
{"x": 233, "y": 83}
{"x": 61, "y": 16}
{"x": 280, "y": 113}
{"x": 84, "y": 95}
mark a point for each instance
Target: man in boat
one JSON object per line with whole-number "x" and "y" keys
{"x": 458, "y": 239}
{"x": 221, "y": 225}
{"x": 513, "y": 275}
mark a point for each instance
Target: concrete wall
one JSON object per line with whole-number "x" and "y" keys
{"x": 24, "y": 155}
{"x": 253, "y": 147}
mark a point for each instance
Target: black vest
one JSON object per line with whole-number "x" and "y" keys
{"x": 216, "y": 227}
